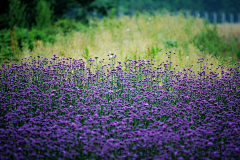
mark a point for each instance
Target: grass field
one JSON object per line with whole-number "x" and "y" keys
{"x": 142, "y": 37}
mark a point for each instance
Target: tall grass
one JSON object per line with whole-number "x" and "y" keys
{"x": 137, "y": 37}
{"x": 229, "y": 30}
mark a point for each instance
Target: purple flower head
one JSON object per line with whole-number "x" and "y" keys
{"x": 125, "y": 113}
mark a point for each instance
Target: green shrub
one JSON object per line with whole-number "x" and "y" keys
{"x": 43, "y": 14}
{"x": 25, "y": 37}
{"x": 112, "y": 13}
{"x": 5, "y": 44}
{"x": 68, "y": 25}
{"x": 238, "y": 53}
{"x": 17, "y": 14}
{"x": 22, "y": 37}
{"x": 170, "y": 44}
{"x": 208, "y": 41}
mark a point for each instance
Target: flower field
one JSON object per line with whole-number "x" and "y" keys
{"x": 64, "y": 108}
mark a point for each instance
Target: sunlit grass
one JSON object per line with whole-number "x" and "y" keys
{"x": 133, "y": 38}
{"x": 229, "y": 30}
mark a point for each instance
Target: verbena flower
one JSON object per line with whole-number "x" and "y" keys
{"x": 68, "y": 111}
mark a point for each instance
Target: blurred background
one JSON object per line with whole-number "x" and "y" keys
{"x": 30, "y": 23}
{"x": 24, "y": 13}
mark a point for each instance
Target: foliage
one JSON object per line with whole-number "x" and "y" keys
{"x": 62, "y": 6}
{"x": 23, "y": 38}
{"x": 9, "y": 47}
{"x": 27, "y": 38}
{"x": 130, "y": 37}
{"x": 17, "y": 14}
{"x": 85, "y": 54}
{"x": 40, "y": 13}
{"x": 43, "y": 15}
{"x": 170, "y": 43}
{"x": 152, "y": 52}
{"x": 176, "y": 5}
{"x": 209, "y": 41}
{"x": 67, "y": 26}
{"x": 112, "y": 13}
{"x": 103, "y": 6}
{"x": 238, "y": 53}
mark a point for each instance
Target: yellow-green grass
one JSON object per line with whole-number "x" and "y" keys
{"x": 229, "y": 30}
{"x": 231, "y": 36}
{"x": 132, "y": 38}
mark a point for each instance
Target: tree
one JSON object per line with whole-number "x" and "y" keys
{"x": 43, "y": 14}
{"x": 30, "y": 13}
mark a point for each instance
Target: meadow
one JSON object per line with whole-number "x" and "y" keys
{"x": 144, "y": 37}
{"x": 125, "y": 88}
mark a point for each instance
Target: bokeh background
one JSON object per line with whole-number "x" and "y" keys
{"x": 129, "y": 28}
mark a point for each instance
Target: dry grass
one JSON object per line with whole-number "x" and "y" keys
{"x": 229, "y": 30}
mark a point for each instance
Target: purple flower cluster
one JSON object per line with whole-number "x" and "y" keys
{"x": 69, "y": 109}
